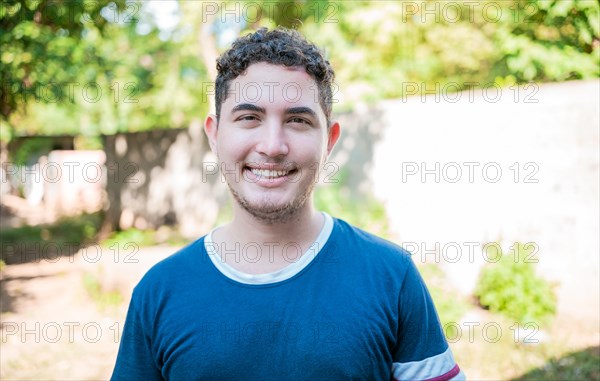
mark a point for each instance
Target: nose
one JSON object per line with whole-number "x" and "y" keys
{"x": 273, "y": 140}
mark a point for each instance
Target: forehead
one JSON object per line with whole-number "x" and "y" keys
{"x": 266, "y": 84}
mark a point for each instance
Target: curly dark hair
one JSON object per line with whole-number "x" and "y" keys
{"x": 279, "y": 46}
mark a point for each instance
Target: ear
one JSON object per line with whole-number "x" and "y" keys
{"x": 333, "y": 134}
{"x": 210, "y": 128}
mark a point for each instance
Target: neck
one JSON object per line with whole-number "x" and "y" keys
{"x": 301, "y": 227}
{"x": 301, "y": 230}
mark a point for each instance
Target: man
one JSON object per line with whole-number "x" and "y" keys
{"x": 282, "y": 292}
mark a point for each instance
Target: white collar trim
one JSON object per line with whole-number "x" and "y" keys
{"x": 278, "y": 276}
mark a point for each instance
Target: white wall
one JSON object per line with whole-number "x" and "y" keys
{"x": 560, "y": 213}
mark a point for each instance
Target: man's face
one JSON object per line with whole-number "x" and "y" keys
{"x": 271, "y": 140}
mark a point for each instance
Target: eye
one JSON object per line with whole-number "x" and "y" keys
{"x": 248, "y": 121}
{"x": 247, "y": 117}
{"x": 298, "y": 120}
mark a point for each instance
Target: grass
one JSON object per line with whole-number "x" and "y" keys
{"x": 147, "y": 237}
{"x": 490, "y": 350}
{"x": 580, "y": 365}
{"x": 47, "y": 242}
{"x": 67, "y": 235}
{"x": 139, "y": 237}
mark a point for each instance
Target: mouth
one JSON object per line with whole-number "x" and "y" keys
{"x": 270, "y": 172}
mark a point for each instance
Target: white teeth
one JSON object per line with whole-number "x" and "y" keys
{"x": 268, "y": 173}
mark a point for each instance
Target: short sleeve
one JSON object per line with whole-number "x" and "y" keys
{"x": 135, "y": 360}
{"x": 421, "y": 351}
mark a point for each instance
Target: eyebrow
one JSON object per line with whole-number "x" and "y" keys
{"x": 248, "y": 107}
{"x": 301, "y": 110}
{"x": 291, "y": 110}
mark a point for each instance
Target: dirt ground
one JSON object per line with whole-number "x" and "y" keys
{"x": 53, "y": 329}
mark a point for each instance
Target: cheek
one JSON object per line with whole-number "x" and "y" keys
{"x": 310, "y": 145}
{"x": 312, "y": 161}
{"x": 231, "y": 145}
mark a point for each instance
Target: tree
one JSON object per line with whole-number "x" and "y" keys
{"x": 40, "y": 43}
{"x": 91, "y": 68}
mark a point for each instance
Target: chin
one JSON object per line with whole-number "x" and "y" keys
{"x": 269, "y": 210}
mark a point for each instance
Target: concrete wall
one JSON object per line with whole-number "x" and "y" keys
{"x": 551, "y": 131}
{"x": 158, "y": 178}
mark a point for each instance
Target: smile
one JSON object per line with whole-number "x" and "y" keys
{"x": 268, "y": 173}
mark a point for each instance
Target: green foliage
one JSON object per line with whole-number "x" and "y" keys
{"x": 101, "y": 67}
{"x": 91, "y": 71}
{"x": 31, "y": 148}
{"x": 441, "y": 43}
{"x": 83, "y": 142}
{"x": 41, "y": 43}
{"x": 511, "y": 287}
{"x": 549, "y": 41}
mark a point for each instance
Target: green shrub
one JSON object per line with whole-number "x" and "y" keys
{"x": 511, "y": 287}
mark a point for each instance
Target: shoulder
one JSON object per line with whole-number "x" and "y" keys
{"x": 179, "y": 265}
{"x": 369, "y": 247}
{"x": 358, "y": 237}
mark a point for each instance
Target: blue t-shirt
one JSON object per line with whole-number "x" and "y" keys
{"x": 354, "y": 307}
